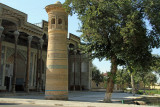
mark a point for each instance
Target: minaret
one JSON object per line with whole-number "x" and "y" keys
{"x": 57, "y": 58}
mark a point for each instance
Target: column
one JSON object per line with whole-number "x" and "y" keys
{"x": 16, "y": 34}
{"x": 90, "y": 74}
{"x": 33, "y": 70}
{"x": 80, "y": 72}
{"x": 28, "y": 63}
{"x": 1, "y": 30}
{"x": 4, "y": 65}
{"x": 40, "y": 76}
{"x": 37, "y": 70}
{"x": 69, "y": 71}
{"x": 74, "y": 82}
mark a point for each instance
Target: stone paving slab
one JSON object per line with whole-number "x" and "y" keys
{"x": 76, "y": 99}
{"x": 64, "y": 103}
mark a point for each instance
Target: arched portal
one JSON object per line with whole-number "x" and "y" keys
{"x": 20, "y": 74}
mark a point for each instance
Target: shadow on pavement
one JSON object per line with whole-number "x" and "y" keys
{"x": 9, "y": 103}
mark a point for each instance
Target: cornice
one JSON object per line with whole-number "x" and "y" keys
{"x": 56, "y": 7}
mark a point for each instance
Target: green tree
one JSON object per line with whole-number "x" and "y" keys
{"x": 122, "y": 78}
{"x": 155, "y": 65}
{"x": 97, "y": 77}
{"x": 151, "y": 79}
{"x": 141, "y": 76}
{"x": 142, "y": 66}
{"x": 147, "y": 77}
{"x": 152, "y": 14}
{"x": 113, "y": 30}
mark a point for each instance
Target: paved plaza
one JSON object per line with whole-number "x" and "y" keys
{"x": 76, "y": 99}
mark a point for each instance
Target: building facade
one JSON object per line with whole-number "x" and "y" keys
{"x": 23, "y": 54}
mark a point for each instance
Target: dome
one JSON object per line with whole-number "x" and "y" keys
{"x": 58, "y": 2}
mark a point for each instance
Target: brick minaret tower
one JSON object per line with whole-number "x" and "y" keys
{"x": 57, "y": 58}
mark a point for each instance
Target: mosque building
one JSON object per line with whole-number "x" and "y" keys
{"x": 24, "y": 58}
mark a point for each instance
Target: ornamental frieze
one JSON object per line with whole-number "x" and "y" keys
{"x": 14, "y": 16}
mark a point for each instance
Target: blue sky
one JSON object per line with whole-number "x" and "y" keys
{"x": 36, "y": 13}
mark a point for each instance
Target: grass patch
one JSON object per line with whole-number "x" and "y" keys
{"x": 149, "y": 92}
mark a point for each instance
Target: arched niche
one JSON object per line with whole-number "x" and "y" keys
{"x": 59, "y": 21}
{"x": 53, "y": 21}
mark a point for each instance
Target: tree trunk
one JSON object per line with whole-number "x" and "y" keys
{"x": 143, "y": 84}
{"x": 144, "y": 88}
{"x": 149, "y": 86}
{"x": 133, "y": 85}
{"x": 111, "y": 79}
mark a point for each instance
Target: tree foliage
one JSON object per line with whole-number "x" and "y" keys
{"x": 151, "y": 79}
{"x": 156, "y": 64}
{"x": 148, "y": 78}
{"x": 122, "y": 78}
{"x": 152, "y": 13}
{"x": 114, "y": 30}
{"x": 97, "y": 77}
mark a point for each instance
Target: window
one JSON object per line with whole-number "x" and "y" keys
{"x": 53, "y": 21}
{"x": 59, "y": 21}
